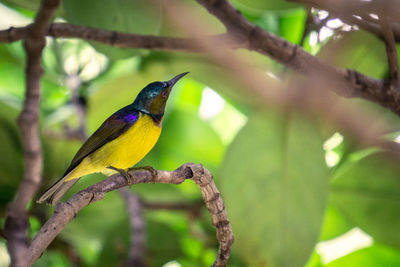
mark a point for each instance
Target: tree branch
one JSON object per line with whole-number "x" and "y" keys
{"x": 65, "y": 212}
{"x": 347, "y": 83}
{"x": 17, "y": 218}
{"x": 242, "y": 34}
{"x": 119, "y": 39}
{"x": 137, "y": 228}
{"x": 347, "y": 12}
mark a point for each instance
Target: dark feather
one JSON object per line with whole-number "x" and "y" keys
{"x": 114, "y": 126}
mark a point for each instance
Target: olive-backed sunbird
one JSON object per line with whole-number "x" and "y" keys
{"x": 120, "y": 142}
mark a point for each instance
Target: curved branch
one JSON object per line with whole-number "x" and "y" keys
{"x": 66, "y": 211}
{"x": 17, "y": 219}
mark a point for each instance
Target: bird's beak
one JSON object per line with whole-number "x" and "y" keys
{"x": 175, "y": 79}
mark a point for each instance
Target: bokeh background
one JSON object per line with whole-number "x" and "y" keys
{"x": 297, "y": 190}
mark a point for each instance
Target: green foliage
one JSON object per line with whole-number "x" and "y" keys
{"x": 376, "y": 255}
{"x": 367, "y": 192}
{"x": 270, "y": 5}
{"x": 275, "y": 192}
{"x": 357, "y": 50}
{"x": 138, "y": 17}
{"x": 280, "y": 196}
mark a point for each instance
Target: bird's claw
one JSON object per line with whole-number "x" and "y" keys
{"x": 128, "y": 177}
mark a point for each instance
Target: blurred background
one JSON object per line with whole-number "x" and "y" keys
{"x": 297, "y": 190}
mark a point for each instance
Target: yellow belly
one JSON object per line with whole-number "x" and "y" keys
{"x": 123, "y": 152}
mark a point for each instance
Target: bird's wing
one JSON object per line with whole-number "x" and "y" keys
{"x": 113, "y": 127}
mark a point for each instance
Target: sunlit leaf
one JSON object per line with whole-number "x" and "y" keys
{"x": 335, "y": 224}
{"x": 274, "y": 182}
{"x": 376, "y": 255}
{"x": 367, "y": 193}
{"x": 270, "y": 5}
{"x": 291, "y": 25}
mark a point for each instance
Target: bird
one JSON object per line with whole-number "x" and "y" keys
{"x": 120, "y": 142}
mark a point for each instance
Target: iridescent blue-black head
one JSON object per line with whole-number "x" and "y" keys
{"x": 152, "y": 99}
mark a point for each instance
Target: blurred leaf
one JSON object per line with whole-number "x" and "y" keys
{"x": 11, "y": 164}
{"x": 314, "y": 260}
{"x": 269, "y": 22}
{"x": 335, "y": 224}
{"x": 140, "y": 17}
{"x": 357, "y": 50}
{"x": 270, "y": 5}
{"x": 28, "y": 4}
{"x": 217, "y": 78}
{"x": 169, "y": 27}
{"x": 274, "y": 183}
{"x": 367, "y": 193}
{"x": 186, "y": 138}
{"x": 52, "y": 259}
{"x": 376, "y": 255}
{"x": 292, "y": 24}
{"x": 90, "y": 231}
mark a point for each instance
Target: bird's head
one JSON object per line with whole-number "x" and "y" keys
{"x": 153, "y": 97}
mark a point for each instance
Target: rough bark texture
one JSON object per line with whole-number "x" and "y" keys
{"x": 17, "y": 219}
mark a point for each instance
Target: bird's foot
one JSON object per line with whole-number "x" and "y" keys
{"x": 129, "y": 178}
{"x": 147, "y": 168}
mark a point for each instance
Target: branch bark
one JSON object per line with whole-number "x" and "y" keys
{"x": 65, "y": 212}
{"x": 17, "y": 219}
{"x": 118, "y": 39}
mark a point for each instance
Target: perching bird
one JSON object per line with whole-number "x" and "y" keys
{"x": 120, "y": 142}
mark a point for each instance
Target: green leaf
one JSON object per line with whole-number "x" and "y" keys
{"x": 270, "y": 5}
{"x": 53, "y": 259}
{"x": 335, "y": 224}
{"x": 292, "y": 24}
{"x": 274, "y": 183}
{"x": 376, "y": 255}
{"x": 357, "y": 50}
{"x": 11, "y": 164}
{"x": 140, "y": 17}
{"x": 367, "y": 193}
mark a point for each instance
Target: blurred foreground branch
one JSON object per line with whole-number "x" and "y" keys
{"x": 241, "y": 34}
{"x": 17, "y": 219}
{"x": 66, "y": 211}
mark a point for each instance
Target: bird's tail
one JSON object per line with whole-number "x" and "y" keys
{"x": 57, "y": 190}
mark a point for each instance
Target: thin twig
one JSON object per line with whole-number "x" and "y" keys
{"x": 17, "y": 219}
{"x": 137, "y": 228}
{"x": 65, "y": 212}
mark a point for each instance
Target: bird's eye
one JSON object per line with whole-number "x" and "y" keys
{"x": 165, "y": 85}
{"x": 164, "y": 94}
